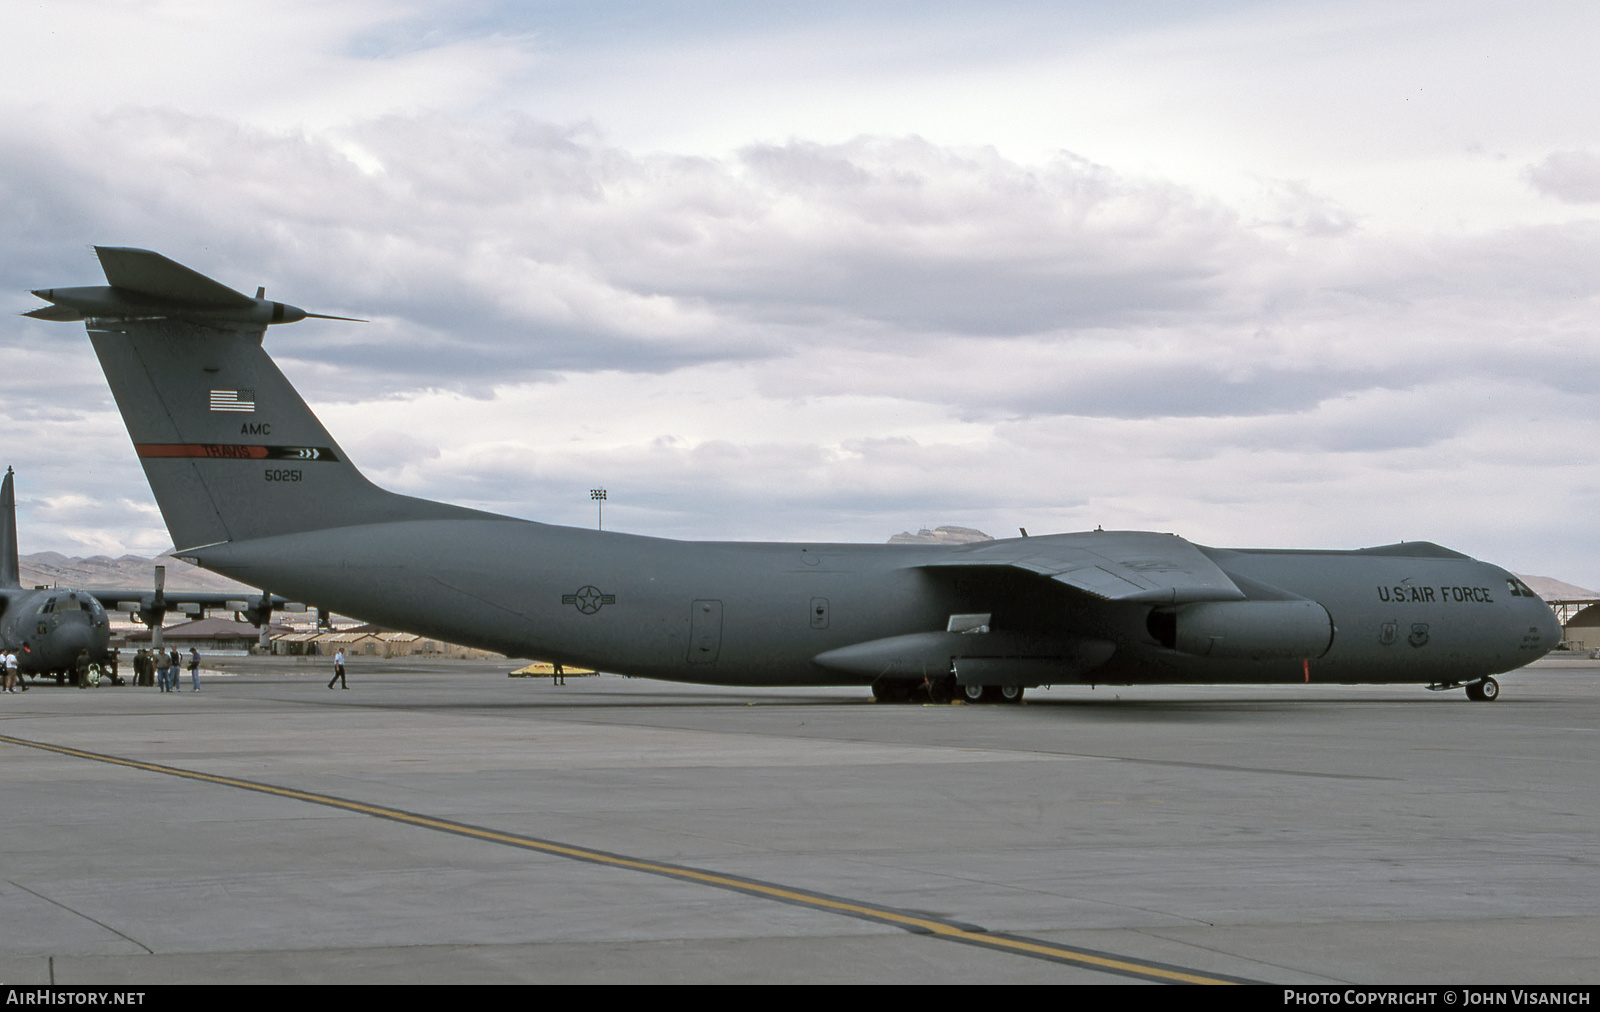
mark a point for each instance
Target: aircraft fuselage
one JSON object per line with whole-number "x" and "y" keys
{"x": 761, "y": 613}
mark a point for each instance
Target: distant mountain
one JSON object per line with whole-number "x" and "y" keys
{"x": 1551, "y": 589}
{"x": 946, "y": 535}
{"x": 101, "y": 572}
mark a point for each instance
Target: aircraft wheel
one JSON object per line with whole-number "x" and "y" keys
{"x": 973, "y": 693}
{"x": 1011, "y": 693}
{"x": 1486, "y": 691}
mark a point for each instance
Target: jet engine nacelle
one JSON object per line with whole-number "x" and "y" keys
{"x": 1248, "y": 630}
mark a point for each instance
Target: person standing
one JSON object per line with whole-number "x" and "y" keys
{"x": 194, "y": 669}
{"x": 338, "y": 670}
{"x": 10, "y": 659}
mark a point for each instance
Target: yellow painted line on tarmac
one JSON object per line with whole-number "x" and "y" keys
{"x": 916, "y": 923}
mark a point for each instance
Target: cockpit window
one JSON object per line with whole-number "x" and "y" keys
{"x": 1520, "y": 589}
{"x": 67, "y": 602}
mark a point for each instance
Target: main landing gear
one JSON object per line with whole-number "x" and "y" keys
{"x": 943, "y": 690}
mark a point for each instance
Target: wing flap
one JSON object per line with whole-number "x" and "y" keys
{"x": 1102, "y": 582}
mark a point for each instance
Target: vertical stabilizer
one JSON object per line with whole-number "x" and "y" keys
{"x": 231, "y": 450}
{"x": 10, "y": 572}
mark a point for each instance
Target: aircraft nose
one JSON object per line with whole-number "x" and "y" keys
{"x": 70, "y": 638}
{"x": 1551, "y": 630}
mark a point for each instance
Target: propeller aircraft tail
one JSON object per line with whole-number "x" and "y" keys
{"x": 10, "y": 570}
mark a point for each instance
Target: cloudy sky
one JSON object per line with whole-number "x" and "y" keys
{"x": 1280, "y": 274}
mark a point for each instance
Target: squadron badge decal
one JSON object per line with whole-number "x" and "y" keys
{"x": 588, "y": 599}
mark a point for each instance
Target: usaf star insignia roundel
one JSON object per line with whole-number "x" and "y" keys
{"x": 588, "y": 599}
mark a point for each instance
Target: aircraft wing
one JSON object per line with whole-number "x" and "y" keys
{"x": 187, "y": 602}
{"x": 1112, "y": 565}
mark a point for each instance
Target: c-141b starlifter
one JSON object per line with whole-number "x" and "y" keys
{"x": 252, "y": 486}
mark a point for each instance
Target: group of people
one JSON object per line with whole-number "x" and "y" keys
{"x": 83, "y": 672}
{"x": 162, "y": 668}
{"x": 150, "y": 667}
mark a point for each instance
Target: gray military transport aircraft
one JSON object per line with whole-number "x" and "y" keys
{"x": 49, "y": 627}
{"x": 252, "y": 486}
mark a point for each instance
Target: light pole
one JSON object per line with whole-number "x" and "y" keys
{"x": 599, "y": 497}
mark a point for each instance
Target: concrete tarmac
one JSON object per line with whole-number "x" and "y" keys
{"x": 440, "y": 822}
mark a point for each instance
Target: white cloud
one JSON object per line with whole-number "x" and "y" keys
{"x": 1572, "y": 176}
{"x": 1256, "y": 274}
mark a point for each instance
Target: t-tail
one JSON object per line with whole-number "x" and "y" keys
{"x": 10, "y": 571}
{"x": 231, "y": 450}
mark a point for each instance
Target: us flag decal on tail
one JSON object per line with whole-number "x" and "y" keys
{"x": 233, "y": 400}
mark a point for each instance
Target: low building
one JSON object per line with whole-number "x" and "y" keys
{"x": 208, "y": 635}
{"x": 369, "y": 641}
{"x": 1582, "y": 631}
{"x": 1575, "y": 610}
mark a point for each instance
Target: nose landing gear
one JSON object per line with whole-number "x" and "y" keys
{"x": 1486, "y": 691}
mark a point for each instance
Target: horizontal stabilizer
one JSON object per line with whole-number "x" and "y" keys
{"x": 147, "y": 286}
{"x": 150, "y": 273}
{"x": 56, "y": 314}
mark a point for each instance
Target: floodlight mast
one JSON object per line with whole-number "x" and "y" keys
{"x": 599, "y": 497}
